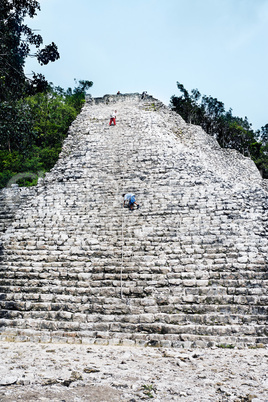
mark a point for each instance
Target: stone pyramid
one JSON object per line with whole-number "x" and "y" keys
{"x": 189, "y": 267}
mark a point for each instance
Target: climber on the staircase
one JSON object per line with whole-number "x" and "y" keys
{"x": 113, "y": 118}
{"x": 144, "y": 94}
{"x": 130, "y": 201}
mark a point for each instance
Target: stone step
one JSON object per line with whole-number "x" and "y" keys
{"x": 168, "y": 331}
{"x": 107, "y": 322}
{"x": 164, "y": 302}
{"x": 130, "y": 339}
{"x": 17, "y": 305}
{"x": 114, "y": 273}
{"x": 97, "y": 270}
{"x": 190, "y": 264}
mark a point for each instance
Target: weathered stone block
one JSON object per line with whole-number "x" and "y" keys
{"x": 189, "y": 264}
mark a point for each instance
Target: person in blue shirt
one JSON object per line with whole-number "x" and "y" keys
{"x": 130, "y": 201}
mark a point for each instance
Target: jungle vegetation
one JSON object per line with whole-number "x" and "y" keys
{"x": 230, "y": 131}
{"x": 34, "y": 114}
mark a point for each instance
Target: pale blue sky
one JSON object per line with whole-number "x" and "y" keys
{"x": 217, "y": 46}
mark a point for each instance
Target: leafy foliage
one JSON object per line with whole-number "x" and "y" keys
{"x": 51, "y": 117}
{"x": 17, "y": 39}
{"x": 15, "y": 122}
{"x": 76, "y": 97}
{"x": 34, "y": 129}
{"x": 230, "y": 131}
{"x": 34, "y": 116}
{"x": 261, "y": 157}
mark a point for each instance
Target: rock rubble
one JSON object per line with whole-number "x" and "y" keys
{"x": 46, "y": 372}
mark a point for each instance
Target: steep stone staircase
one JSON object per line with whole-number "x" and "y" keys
{"x": 187, "y": 268}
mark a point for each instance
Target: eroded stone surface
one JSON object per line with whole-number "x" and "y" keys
{"x": 46, "y": 372}
{"x": 189, "y": 267}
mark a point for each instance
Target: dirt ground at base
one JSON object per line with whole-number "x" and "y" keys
{"x": 74, "y": 373}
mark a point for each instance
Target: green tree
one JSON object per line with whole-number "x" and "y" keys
{"x": 42, "y": 120}
{"x": 230, "y": 131}
{"x": 17, "y": 39}
{"x": 187, "y": 105}
{"x": 76, "y": 97}
{"x": 51, "y": 117}
{"x": 264, "y": 134}
{"x": 17, "y": 132}
{"x": 261, "y": 157}
{"x": 15, "y": 126}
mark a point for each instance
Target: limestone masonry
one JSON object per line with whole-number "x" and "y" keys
{"x": 187, "y": 268}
